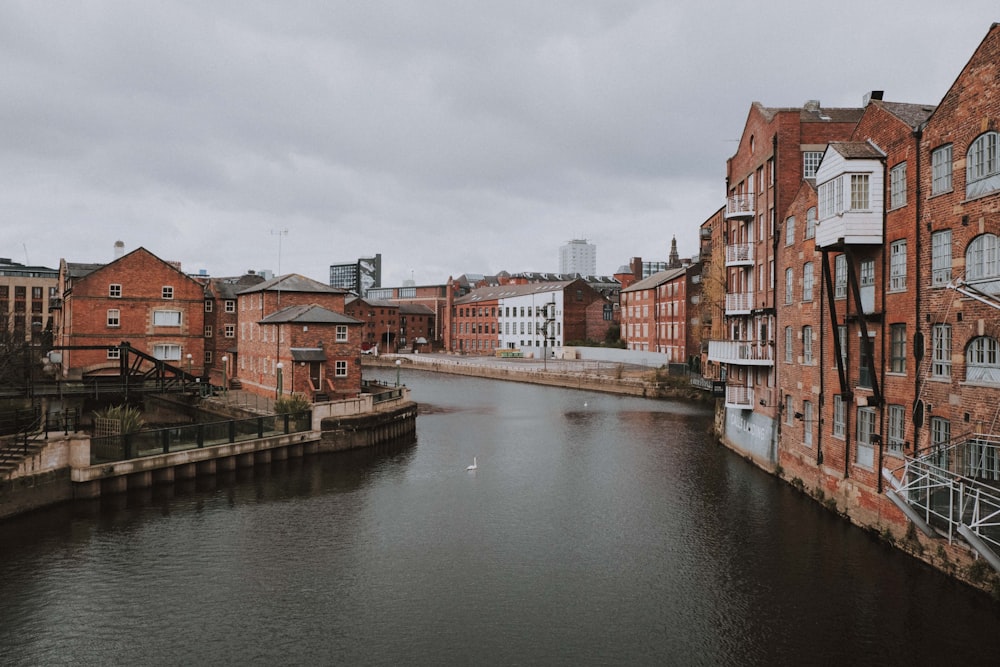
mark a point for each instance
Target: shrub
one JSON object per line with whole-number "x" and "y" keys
{"x": 293, "y": 403}
{"x": 128, "y": 416}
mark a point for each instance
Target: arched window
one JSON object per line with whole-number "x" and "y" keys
{"x": 981, "y": 258}
{"x": 982, "y": 165}
{"x": 982, "y": 361}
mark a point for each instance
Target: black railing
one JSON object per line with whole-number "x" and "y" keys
{"x": 195, "y": 436}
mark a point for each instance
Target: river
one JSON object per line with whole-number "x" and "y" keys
{"x": 596, "y": 530}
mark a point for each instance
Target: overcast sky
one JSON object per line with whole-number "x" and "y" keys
{"x": 451, "y": 137}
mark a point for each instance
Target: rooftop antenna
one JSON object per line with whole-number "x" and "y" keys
{"x": 27, "y": 261}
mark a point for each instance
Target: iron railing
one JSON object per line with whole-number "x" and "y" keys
{"x": 194, "y": 436}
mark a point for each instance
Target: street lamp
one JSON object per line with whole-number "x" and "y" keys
{"x": 399, "y": 362}
{"x": 189, "y": 368}
{"x": 225, "y": 375}
{"x": 280, "y": 367}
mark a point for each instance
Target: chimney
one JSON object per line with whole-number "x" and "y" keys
{"x": 119, "y": 249}
{"x": 873, "y": 95}
{"x": 811, "y": 105}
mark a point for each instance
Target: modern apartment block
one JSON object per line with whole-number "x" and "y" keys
{"x": 578, "y": 256}
{"x": 26, "y": 292}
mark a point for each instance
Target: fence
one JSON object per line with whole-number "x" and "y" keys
{"x": 193, "y": 436}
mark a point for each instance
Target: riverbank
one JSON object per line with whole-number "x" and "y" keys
{"x": 602, "y": 376}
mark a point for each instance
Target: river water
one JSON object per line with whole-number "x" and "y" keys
{"x": 597, "y": 530}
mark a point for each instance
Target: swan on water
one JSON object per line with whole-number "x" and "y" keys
{"x": 474, "y": 466}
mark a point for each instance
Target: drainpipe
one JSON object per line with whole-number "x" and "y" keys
{"x": 917, "y": 138}
{"x": 822, "y": 374}
{"x": 881, "y": 371}
{"x": 772, "y": 281}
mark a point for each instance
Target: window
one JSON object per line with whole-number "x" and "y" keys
{"x": 839, "y": 414}
{"x": 842, "y": 336}
{"x": 867, "y": 271}
{"x": 941, "y": 359}
{"x": 807, "y": 281}
{"x": 941, "y": 257}
{"x": 941, "y": 170}
{"x": 807, "y": 420}
{"x": 114, "y": 353}
{"x": 168, "y": 292}
{"x": 789, "y": 285}
{"x": 897, "y": 186}
{"x": 230, "y": 331}
{"x": 230, "y": 306}
{"x": 807, "y": 344}
{"x": 788, "y": 345}
{"x": 208, "y": 305}
{"x": 980, "y": 164}
{"x": 982, "y": 363}
{"x": 897, "y": 348}
{"x": 859, "y": 192}
{"x": 895, "y": 433}
{"x": 840, "y": 277}
{"x": 208, "y": 331}
{"x": 115, "y": 291}
{"x": 810, "y": 223}
{"x": 340, "y": 369}
{"x": 114, "y": 317}
{"x": 866, "y": 429}
{"x": 166, "y": 318}
{"x": 831, "y": 198}
{"x": 167, "y": 352}
{"x": 981, "y": 258}
{"x": 940, "y": 438}
{"x": 865, "y": 349}
{"x": 810, "y": 163}
{"x": 208, "y": 357}
{"x": 341, "y": 333}
{"x": 897, "y": 266}
{"x": 790, "y": 230}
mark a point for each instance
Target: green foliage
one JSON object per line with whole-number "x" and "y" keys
{"x": 128, "y": 416}
{"x": 293, "y": 403}
{"x": 977, "y": 571}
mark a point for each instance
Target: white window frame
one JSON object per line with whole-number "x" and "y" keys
{"x": 114, "y": 353}
{"x": 941, "y": 170}
{"x": 807, "y": 420}
{"x": 208, "y": 305}
{"x": 340, "y": 369}
{"x": 897, "y": 266}
{"x": 790, "y": 230}
{"x": 810, "y": 163}
{"x": 230, "y": 305}
{"x": 789, "y": 285}
{"x": 897, "y": 348}
{"x": 866, "y": 273}
{"x": 208, "y": 331}
{"x": 167, "y": 351}
{"x": 840, "y": 277}
{"x": 982, "y": 360}
{"x": 788, "y": 345}
{"x": 981, "y": 160}
{"x": 810, "y": 231}
{"x": 941, "y": 257}
{"x": 895, "y": 428}
{"x": 114, "y": 291}
{"x": 897, "y": 186}
{"x": 839, "y": 416}
{"x": 982, "y": 258}
{"x": 167, "y": 292}
{"x": 114, "y": 318}
{"x": 230, "y": 331}
{"x": 865, "y": 436}
{"x": 807, "y": 344}
{"x": 808, "y": 280}
{"x": 941, "y": 351}
{"x": 341, "y": 336}
{"x": 166, "y": 318}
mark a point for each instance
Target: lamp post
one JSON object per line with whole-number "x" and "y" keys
{"x": 225, "y": 376}
{"x": 399, "y": 362}
{"x": 280, "y": 388}
{"x": 189, "y": 368}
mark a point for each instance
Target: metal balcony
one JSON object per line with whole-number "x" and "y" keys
{"x": 741, "y": 352}
{"x": 739, "y": 303}
{"x": 739, "y": 254}
{"x": 739, "y": 206}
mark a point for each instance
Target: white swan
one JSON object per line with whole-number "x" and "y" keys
{"x": 474, "y": 466}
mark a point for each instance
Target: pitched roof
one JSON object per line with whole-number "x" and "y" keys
{"x": 293, "y": 282}
{"x": 914, "y": 115}
{"x": 857, "y": 150}
{"x": 414, "y": 309}
{"x": 509, "y": 291}
{"x": 311, "y": 314}
{"x": 656, "y": 279}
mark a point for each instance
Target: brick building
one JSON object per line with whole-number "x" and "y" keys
{"x": 416, "y": 327}
{"x": 138, "y": 298}
{"x": 432, "y": 297}
{"x": 307, "y": 350}
{"x": 381, "y": 329}
{"x": 222, "y": 320}
{"x": 778, "y": 148}
{"x": 26, "y": 293}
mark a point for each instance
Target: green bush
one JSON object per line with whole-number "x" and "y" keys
{"x": 289, "y": 404}
{"x": 128, "y": 416}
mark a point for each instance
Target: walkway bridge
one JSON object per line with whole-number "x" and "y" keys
{"x": 954, "y": 492}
